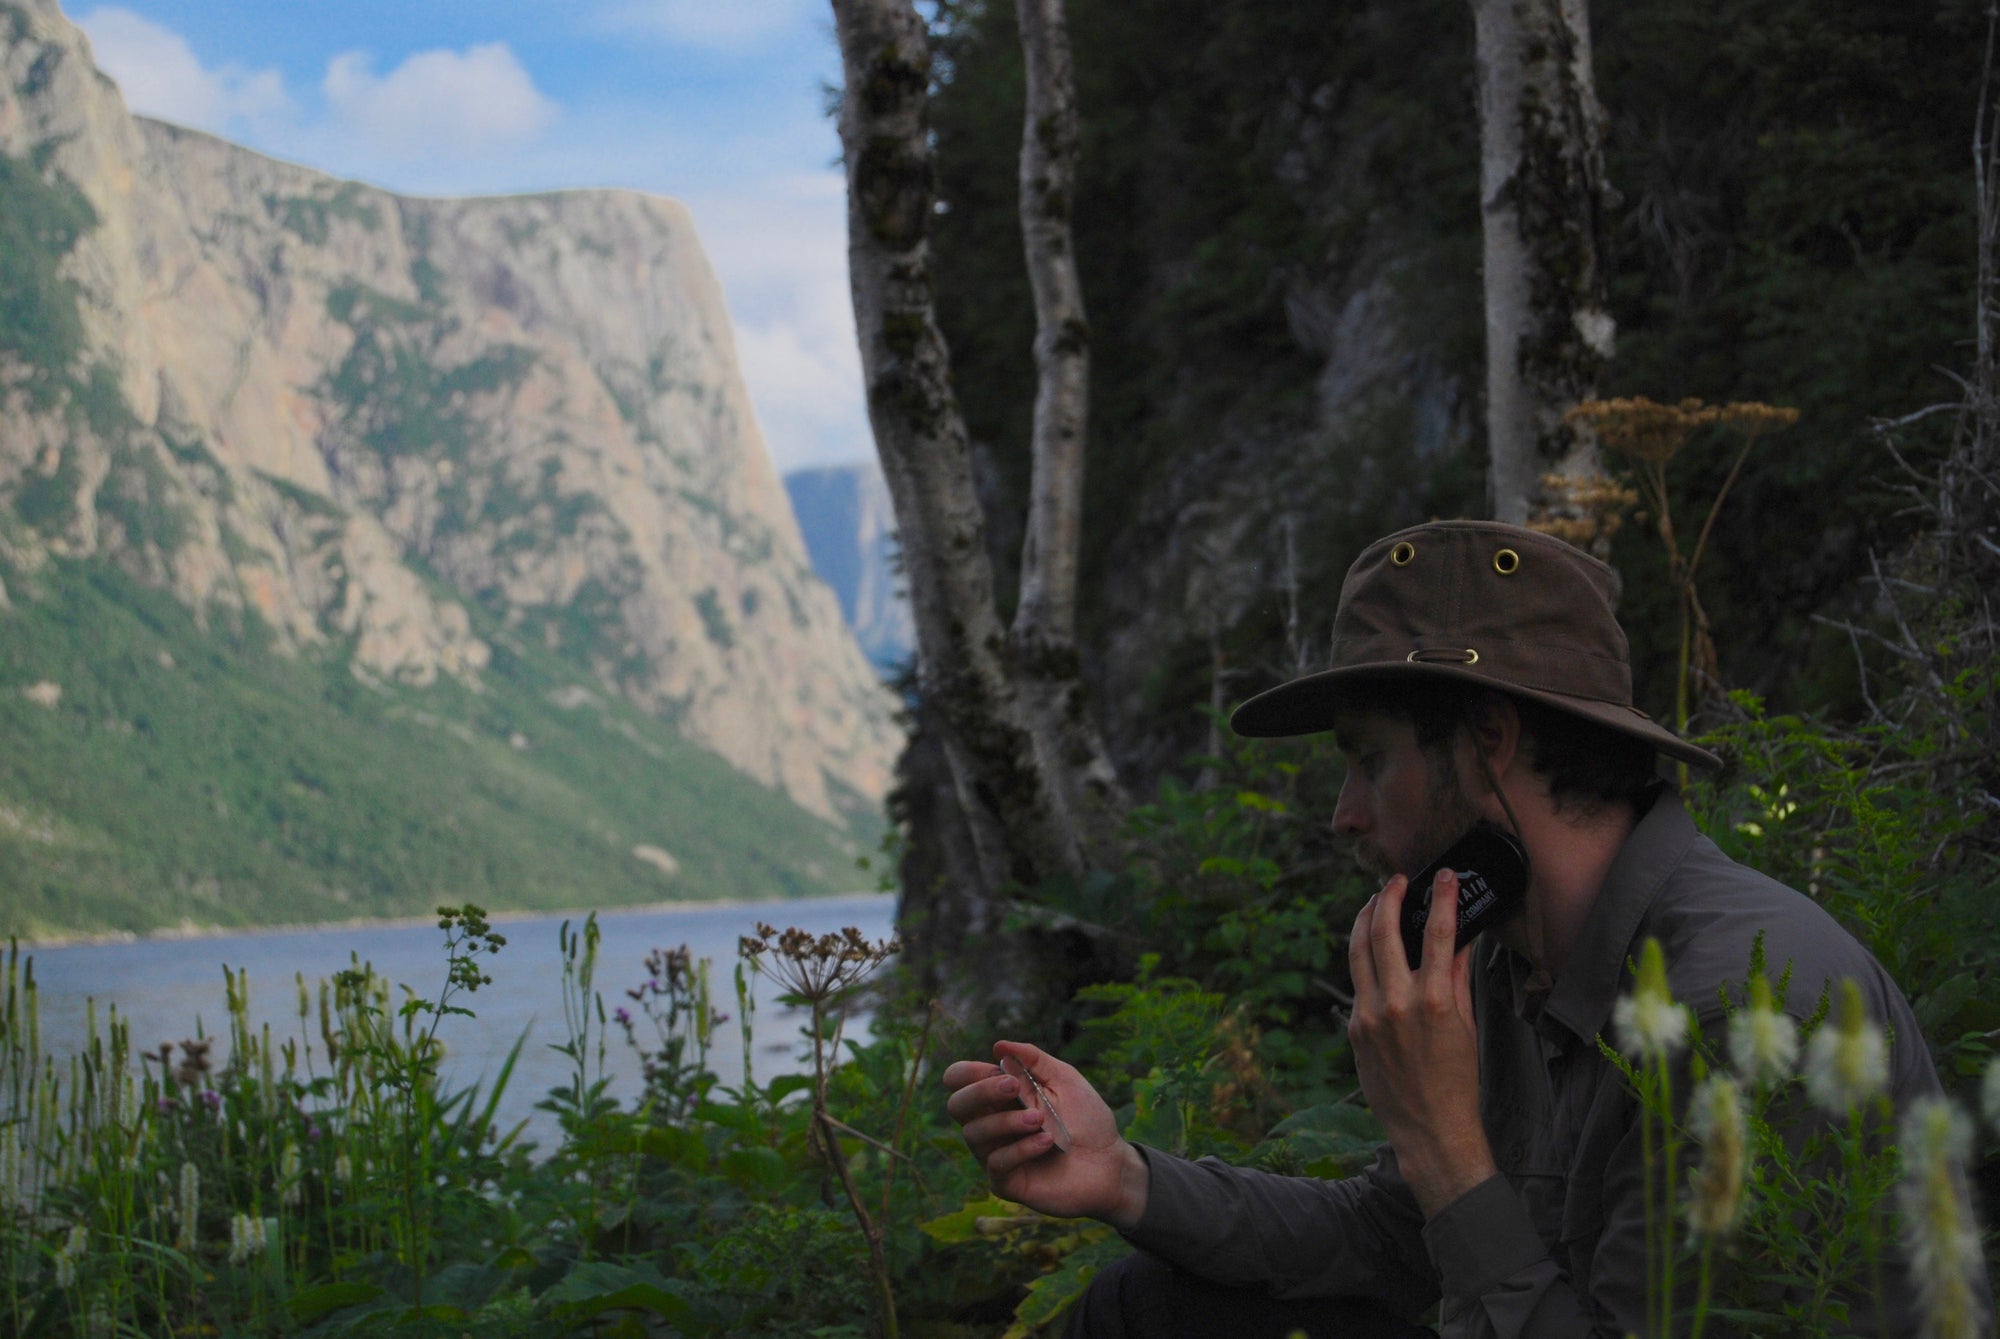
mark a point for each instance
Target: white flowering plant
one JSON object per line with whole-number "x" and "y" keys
{"x": 1778, "y": 1196}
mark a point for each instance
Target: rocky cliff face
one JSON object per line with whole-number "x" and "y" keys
{"x": 850, "y": 530}
{"x": 372, "y": 421}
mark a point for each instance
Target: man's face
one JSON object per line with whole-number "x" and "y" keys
{"x": 1401, "y": 804}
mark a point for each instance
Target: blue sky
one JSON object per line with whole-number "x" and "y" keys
{"x": 718, "y": 103}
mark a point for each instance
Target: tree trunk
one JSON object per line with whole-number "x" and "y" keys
{"x": 1542, "y": 201}
{"x": 1013, "y": 807}
{"x": 1044, "y": 633}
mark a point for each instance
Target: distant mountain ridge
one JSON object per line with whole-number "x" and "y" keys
{"x": 850, "y": 531}
{"x": 487, "y": 445}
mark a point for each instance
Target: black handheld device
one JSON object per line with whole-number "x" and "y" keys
{"x": 1492, "y": 879}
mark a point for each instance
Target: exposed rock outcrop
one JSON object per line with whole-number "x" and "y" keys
{"x": 850, "y": 531}
{"x": 376, "y": 420}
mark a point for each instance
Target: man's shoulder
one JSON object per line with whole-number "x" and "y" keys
{"x": 1711, "y": 912}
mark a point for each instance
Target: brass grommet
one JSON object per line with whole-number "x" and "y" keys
{"x": 1506, "y": 562}
{"x": 1402, "y": 553}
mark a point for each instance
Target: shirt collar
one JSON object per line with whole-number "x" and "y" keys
{"x": 1582, "y": 996}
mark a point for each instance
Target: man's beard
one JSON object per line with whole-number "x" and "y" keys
{"x": 1449, "y": 815}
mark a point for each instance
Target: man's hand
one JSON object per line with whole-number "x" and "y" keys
{"x": 1415, "y": 1047}
{"x": 1101, "y": 1176}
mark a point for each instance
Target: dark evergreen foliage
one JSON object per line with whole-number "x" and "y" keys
{"x": 1794, "y": 225}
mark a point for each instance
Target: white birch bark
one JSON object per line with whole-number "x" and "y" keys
{"x": 1044, "y": 633}
{"x": 1016, "y": 817}
{"x": 1542, "y": 203}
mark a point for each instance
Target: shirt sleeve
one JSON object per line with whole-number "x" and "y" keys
{"x": 1291, "y": 1236}
{"x": 1499, "y": 1280}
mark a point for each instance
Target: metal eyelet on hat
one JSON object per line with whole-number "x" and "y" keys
{"x": 1442, "y": 655}
{"x": 1402, "y": 553}
{"x": 1506, "y": 562}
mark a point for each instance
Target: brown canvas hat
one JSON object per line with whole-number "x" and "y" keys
{"x": 1486, "y": 604}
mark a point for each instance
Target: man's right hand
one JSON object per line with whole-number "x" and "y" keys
{"x": 1100, "y": 1177}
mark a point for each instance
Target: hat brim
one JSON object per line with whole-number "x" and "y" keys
{"x": 1309, "y": 705}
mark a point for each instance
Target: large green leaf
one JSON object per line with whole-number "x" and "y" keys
{"x": 963, "y": 1224}
{"x": 598, "y": 1286}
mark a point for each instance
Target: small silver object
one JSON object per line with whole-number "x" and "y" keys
{"x": 1020, "y": 1071}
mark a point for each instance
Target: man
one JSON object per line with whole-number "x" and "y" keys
{"x": 1478, "y": 674}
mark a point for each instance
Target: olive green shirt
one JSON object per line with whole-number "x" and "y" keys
{"x": 1554, "y": 1245}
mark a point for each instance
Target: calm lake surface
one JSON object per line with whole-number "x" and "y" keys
{"x": 168, "y": 988}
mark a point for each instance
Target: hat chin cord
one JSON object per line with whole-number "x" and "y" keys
{"x": 1493, "y": 784}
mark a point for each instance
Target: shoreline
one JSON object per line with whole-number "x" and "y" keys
{"x": 179, "y": 933}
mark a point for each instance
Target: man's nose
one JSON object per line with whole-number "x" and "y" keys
{"x": 1350, "y": 811}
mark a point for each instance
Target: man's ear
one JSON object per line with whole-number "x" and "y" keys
{"x": 1496, "y": 730}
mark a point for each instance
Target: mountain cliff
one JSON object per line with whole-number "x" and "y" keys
{"x": 427, "y": 441}
{"x": 850, "y": 531}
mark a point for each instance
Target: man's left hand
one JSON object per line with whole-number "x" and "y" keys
{"x": 1415, "y": 1046}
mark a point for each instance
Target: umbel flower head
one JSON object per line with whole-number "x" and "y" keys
{"x": 1763, "y": 1040}
{"x": 1938, "y": 1227}
{"x": 815, "y": 967}
{"x": 1650, "y": 1026}
{"x": 1847, "y": 1060}
{"x": 1716, "y": 1116}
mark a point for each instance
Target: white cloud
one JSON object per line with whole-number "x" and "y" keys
{"x": 717, "y": 25}
{"x": 780, "y": 251}
{"x": 438, "y": 103}
{"x": 161, "y": 76}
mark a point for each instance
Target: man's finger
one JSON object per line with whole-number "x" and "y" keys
{"x": 1005, "y": 1159}
{"x": 1000, "y": 1092}
{"x": 1385, "y": 935}
{"x": 960, "y": 1073}
{"x": 1360, "y": 958}
{"x": 1440, "y": 935}
{"x": 992, "y": 1132}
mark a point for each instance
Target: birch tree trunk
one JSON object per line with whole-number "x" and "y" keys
{"x": 1008, "y": 785}
{"x": 1542, "y": 203}
{"x": 1044, "y": 633}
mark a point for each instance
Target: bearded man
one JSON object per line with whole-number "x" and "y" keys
{"x": 1478, "y": 677}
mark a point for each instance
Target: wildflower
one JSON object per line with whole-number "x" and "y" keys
{"x": 190, "y": 1206}
{"x": 1847, "y": 1061}
{"x": 343, "y": 1169}
{"x": 815, "y": 968}
{"x": 1989, "y": 1094}
{"x": 246, "y": 1238}
{"x": 1648, "y": 1022}
{"x": 1763, "y": 1041}
{"x": 194, "y": 1060}
{"x": 1938, "y": 1227}
{"x": 1716, "y": 1115}
{"x": 211, "y": 1099}
{"x": 70, "y": 1255}
{"x": 291, "y": 1185}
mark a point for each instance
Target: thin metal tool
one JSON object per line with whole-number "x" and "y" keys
{"x": 1020, "y": 1071}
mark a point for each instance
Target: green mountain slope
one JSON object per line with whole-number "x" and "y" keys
{"x": 190, "y": 776}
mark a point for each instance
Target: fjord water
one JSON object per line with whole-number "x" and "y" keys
{"x": 168, "y": 988}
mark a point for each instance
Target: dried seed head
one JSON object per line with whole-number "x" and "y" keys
{"x": 815, "y": 967}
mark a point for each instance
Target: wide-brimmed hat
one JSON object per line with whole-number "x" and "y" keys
{"x": 1481, "y": 603}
